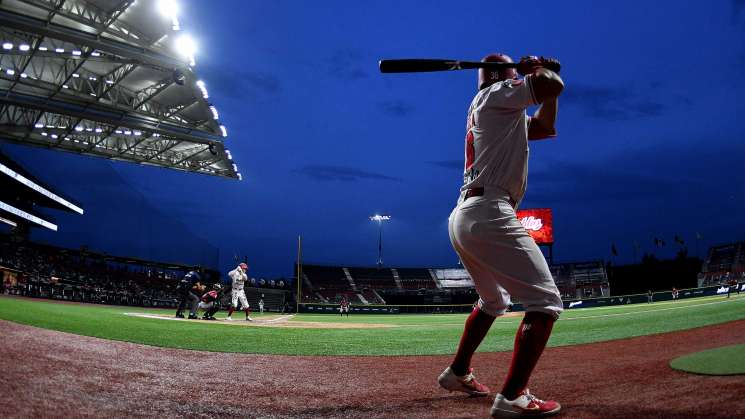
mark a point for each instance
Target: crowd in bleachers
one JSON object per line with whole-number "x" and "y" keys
{"x": 581, "y": 280}
{"x": 723, "y": 264}
{"x": 78, "y": 275}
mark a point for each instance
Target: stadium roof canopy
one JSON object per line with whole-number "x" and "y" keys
{"x": 107, "y": 78}
{"x": 22, "y": 195}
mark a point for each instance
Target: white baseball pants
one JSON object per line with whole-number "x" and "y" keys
{"x": 501, "y": 257}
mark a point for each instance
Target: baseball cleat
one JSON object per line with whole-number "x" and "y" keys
{"x": 525, "y": 405}
{"x": 248, "y": 319}
{"x": 230, "y": 319}
{"x": 193, "y": 317}
{"x": 467, "y": 383}
{"x": 179, "y": 316}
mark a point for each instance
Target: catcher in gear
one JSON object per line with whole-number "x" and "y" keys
{"x": 211, "y": 302}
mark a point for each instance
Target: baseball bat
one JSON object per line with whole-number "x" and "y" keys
{"x": 419, "y": 65}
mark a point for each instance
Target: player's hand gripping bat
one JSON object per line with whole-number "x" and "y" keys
{"x": 419, "y": 65}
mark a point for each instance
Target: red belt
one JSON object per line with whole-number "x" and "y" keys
{"x": 470, "y": 193}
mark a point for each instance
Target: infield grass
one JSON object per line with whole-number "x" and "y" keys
{"x": 410, "y": 334}
{"x": 727, "y": 360}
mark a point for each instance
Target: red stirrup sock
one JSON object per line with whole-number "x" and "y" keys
{"x": 230, "y": 311}
{"x": 477, "y": 326}
{"x": 530, "y": 341}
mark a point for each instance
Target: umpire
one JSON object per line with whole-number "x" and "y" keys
{"x": 187, "y": 290}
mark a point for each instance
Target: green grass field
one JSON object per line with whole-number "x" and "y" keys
{"x": 412, "y": 334}
{"x": 727, "y": 360}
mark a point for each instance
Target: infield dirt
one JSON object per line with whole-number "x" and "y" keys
{"x": 54, "y": 374}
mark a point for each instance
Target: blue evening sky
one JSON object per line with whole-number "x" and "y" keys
{"x": 649, "y": 141}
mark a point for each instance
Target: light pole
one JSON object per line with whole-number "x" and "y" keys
{"x": 380, "y": 218}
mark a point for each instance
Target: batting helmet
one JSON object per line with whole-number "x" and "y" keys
{"x": 488, "y": 77}
{"x": 244, "y": 266}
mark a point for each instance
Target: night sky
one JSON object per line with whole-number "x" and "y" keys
{"x": 649, "y": 141}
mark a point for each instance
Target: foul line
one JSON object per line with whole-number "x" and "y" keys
{"x": 505, "y": 321}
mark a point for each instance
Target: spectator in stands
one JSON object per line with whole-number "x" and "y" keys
{"x": 649, "y": 297}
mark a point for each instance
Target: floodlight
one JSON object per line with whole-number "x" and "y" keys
{"x": 93, "y": 54}
{"x": 7, "y": 45}
{"x": 186, "y": 46}
{"x": 77, "y": 53}
{"x": 224, "y": 130}
{"x": 24, "y": 75}
{"x": 38, "y": 125}
{"x": 43, "y": 48}
{"x": 203, "y": 88}
{"x": 79, "y": 128}
{"x": 59, "y": 50}
{"x": 168, "y": 8}
{"x": 10, "y": 72}
{"x": 215, "y": 115}
{"x": 9, "y": 222}
{"x": 24, "y": 47}
{"x": 239, "y": 176}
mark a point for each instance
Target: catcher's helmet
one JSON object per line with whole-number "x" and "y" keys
{"x": 488, "y": 77}
{"x": 217, "y": 286}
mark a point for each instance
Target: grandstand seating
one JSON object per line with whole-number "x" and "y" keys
{"x": 81, "y": 275}
{"x": 413, "y": 278}
{"x": 372, "y": 278}
{"x": 722, "y": 263}
{"x": 581, "y": 280}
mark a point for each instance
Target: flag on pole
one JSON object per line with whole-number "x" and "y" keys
{"x": 613, "y": 249}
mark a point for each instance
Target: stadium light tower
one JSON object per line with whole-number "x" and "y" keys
{"x": 380, "y": 218}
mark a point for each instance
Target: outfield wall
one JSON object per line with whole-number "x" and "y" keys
{"x": 568, "y": 304}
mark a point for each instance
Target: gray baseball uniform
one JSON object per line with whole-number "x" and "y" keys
{"x": 495, "y": 248}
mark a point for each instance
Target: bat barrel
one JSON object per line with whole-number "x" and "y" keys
{"x": 419, "y": 65}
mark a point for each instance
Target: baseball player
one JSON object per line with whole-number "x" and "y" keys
{"x": 239, "y": 277}
{"x": 261, "y": 304}
{"x": 344, "y": 307}
{"x": 210, "y": 302}
{"x": 499, "y": 254}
